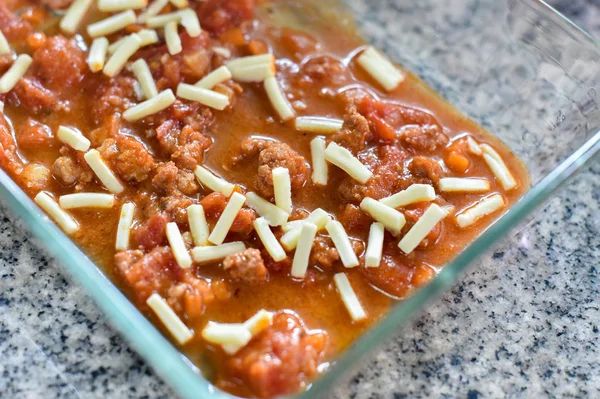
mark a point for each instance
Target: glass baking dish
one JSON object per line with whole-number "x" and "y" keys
{"x": 516, "y": 67}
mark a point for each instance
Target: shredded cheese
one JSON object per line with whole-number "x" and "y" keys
{"x": 414, "y": 193}
{"x": 474, "y": 146}
{"x": 124, "y": 226}
{"x": 251, "y": 60}
{"x": 116, "y": 62}
{"x": 189, "y": 20}
{"x": 380, "y": 68}
{"x": 302, "y": 256}
{"x": 121, "y": 5}
{"x": 498, "y": 167}
{"x": 182, "y": 257}
{"x": 273, "y": 214}
{"x": 163, "y": 101}
{"x": 317, "y": 124}
{"x": 222, "y": 51}
{"x": 235, "y": 334}
{"x": 103, "y": 172}
{"x": 393, "y": 220}
{"x": 255, "y": 68}
{"x": 179, "y": 3}
{"x": 111, "y": 24}
{"x": 198, "y": 225}
{"x": 73, "y": 138}
{"x": 97, "y": 55}
{"x": 355, "y": 309}
{"x": 291, "y": 225}
{"x": 15, "y": 73}
{"x": 169, "y": 318}
{"x": 86, "y": 200}
{"x": 278, "y": 100}
{"x": 62, "y": 218}
{"x": 1, "y": 107}
{"x": 236, "y": 201}
{"x": 141, "y": 70}
{"x": 212, "y": 182}
{"x": 148, "y": 37}
{"x": 203, "y": 96}
{"x": 163, "y": 19}
{"x": 432, "y": 216}
{"x": 342, "y": 243}
{"x": 4, "y": 46}
{"x": 219, "y": 75}
{"x": 374, "y": 245}
{"x": 343, "y": 159}
{"x": 269, "y": 240}
{"x": 211, "y": 254}
{"x": 75, "y": 15}
{"x": 457, "y": 184}
{"x": 318, "y": 217}
{"x": 483, "y": 208}
{"x": 282, "y": 187}
{"x": 172, "y": 38}
{"x": 154, "y": 9}
{"x": 256, "y": 324}
{"x": 319, "y": 165}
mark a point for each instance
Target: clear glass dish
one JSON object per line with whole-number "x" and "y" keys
{"x": 516, "y": 67}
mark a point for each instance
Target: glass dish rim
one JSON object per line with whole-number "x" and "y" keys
{"x": 185, "y": 378}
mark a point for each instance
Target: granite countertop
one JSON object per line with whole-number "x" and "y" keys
{"x": 527, "y": 329}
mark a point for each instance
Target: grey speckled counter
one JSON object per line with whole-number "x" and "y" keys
{"x": 526, "y": 329}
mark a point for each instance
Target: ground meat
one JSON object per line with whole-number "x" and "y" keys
{"x": 34, "y": 97}
{"x": 107, "y": 129}
{"x": 170, "y": 179}
{"x": 57, "y": 4}
{"x": 280, "y": 360}
{"x": 298, "y": 43}
{"x": 426, "y": 138}
{"x": 129, "y": 158}
{"x": 152, "y": 234}
{"x": 355, "y": 133}
{"x": 70, "y": 169}
{"x": 36, "y": 177}
{"x": 217, "y": 16}
{"x": 250, "y": 148}
{"x": 185, "y": 146}
{"x": 14, "y": 28}
{"x": 175, "y": 206}
{"x": 35, "y": 135}
{"x": 59, "y": 63}
{"x": 324, "y": 70}
{"x": 190, "y": 295}
{"x": 324, "y": 254}
{"x": 354, "y": 219}
{"x": 9, "y": 159}
{"x": 393, "y": 274}
{"x": 246, "y": 266}
{"x": 426, "y": 168}
{"x": 215, "y": 203}
{"x": 280, "y": 155}
{"x": 113, "y": 96}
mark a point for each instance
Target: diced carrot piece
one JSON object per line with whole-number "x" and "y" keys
{"x": 256, "y": 47}
{"x": 456, "y": 162}
{"x": 193, "y": 304}
{"x": 234, "y": 36}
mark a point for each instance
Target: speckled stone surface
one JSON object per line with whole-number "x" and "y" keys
{"x": 524, "y": 324}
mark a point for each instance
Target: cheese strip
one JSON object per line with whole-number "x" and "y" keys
{"x": 4, "y": 46}
{"x": 374, "y": 245}
{"x": 278, "y": 100}
{"x": 163, "y": 101}
{"x": 226, "y": 334}
{"x": 317, "y": 124}
{"x": 142, "y": 73}
{"x": 147, "y": 37}
{"x": 115, "y": 46}
{"x": 198, "y": 225}
{"x": 236, "y": 201}
{"x": 355, "y": 309}
{"x": 16, "y": 71}
{"x": 291, "y": 225}
{"x": 86, "y": 200}
{"x": 172, "y": 38}
{"x": 483, "y": 208}
{"x": 474, "y": 146}
{"x": 253, "y": 73}
{"x": 414, "y": 193}
{"x": 111, "y": 24}
{"x": 73, "y": 138}
{"x": 117, "y": 61}
{"x": 432, "y": 216}
{"x": 222, "y": 51}
{"x": 219, "y": 75}
{"x": 189, "y": 21}
{"x": 97, "y": 54}
{"x": 380, "y": 68}
{"x": 154, "y": 9}
{"x": 1, "y": 107}
{"x": 169, "y": 318}
{"x": 302, "y": 254}
{"x": 467, "y": 185}
{"x": 251, "y": 60}
{"x": 180, "y": 253}
{"x": 179, "y": 3}
{"x": 103, "y": 172}
{"x": 269, "y": 240}
{"x": 282, "y": 187}
{"x": 203, "y": 96}
{"x": 318, "y": 217}
{"x": 393, "y": 220}
{"x": 211, "y": 254}
{"x": 62, "y": 218}
{"x": 256, "y": 324}
{"x": 163, "y": 19}
{"x": 343, "y": 159}
{"x": 273, "y": 214}
{"x": 121, "y": 5}
{"x": 212, "y": 182}
{"x": 498, "y": 167}
{"x": 342, "y": 243}
{"x": 319, "y": 165}
{"x": 124, "y": 226}
{"x": 75, "y": 15}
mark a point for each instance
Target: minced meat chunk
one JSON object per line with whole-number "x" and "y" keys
{"x": 185, "y": 146}
{"x": 70, "y": 168}
{"x": 426, "y": 168}
{"x": 324, "y": 254}
{"x": 217, "y": 16}
{"x": 169, "y": 178}
{"x": 36, "y": 177}
{"x": 189, "y": 296}
{"x": 129, "y": 158}
{"x": 14, "y": 28}
{"x": 250, "y": 148}
{"x": 280, "y": 155}
{"x": 426, "y": 138}
{"x": 355, "y": 133}
{"x": 35, "y": 135}
{"x": 112, "y": 96}
{"x": 9, "y": 159}
{"x": 214, "y": 204}
{"x": 59, "y": 62}
{"x": 246, "y": 266}
{"x": 153, "y": 233}
{"x": 31, "y": 95}
{"x": 325, "y": 70}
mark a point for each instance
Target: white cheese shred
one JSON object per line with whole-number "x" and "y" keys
{"x": 142, "y": 73}
{"x": 432, "y": 216}
{"x": 148, "y": 36}
{"x": 269, "y": 240}
{"x": 162, "y": 20}
{"x": 222, "y": 51}
{"x": 291, "y": 225}
{"x": 282, "y": 187}
{"x": 169, "y": 318}
{"x": 272, "y": 213}
{"x": 465, "y": 185}
{"x": 320, "y": 172}
{"x": 212, "y": 182}
{"x": 256, "y": 324}
{"x": 153, "y": 9}
{"x": 62, "y": 218}
{"x": 172, "y": 38}
{"x": 349, "y": 298}
{"x": 318, "y": 217}
{"x": 219, "y": 75}
{"x": 111, "y": 24}
{"x": 75, "y": 15}
{"x": 179, "y": 3}
{"x": 97, "y": 55}
{"x": 206, "y": 97}
{"x": 393, "y": 220}
{"x": 374, "y": 245}
{"x": 73, "y": 138}
{"x": 302, "y": 255}
{"x": 124, "y": 226}
{"x": 252, "y": 60}
{"x": 234, "y": 334}
{"x": 235, "y": 203}
{"x": 121, "y": 5}
{"x": 218, "y": 252}
{"x": 253, "y": 73}
{"x": 17, "y": 70}
{"x": 278, "y": 100}
{"x": 4, "y": 46}
{"x": 189, "y": 21}
{"x": 342, "y": 243}
{"x": 117, "y": 61}
{"x": 1, "y": 107}
{"x": 103, "y": 172}
{"x": 343, "y": 159}
{"x": 483, "y": 208}
{"x": 86, "y": 200}
{"x": 474, "y": 146}
{"x": 498, "y": 167}
{"x": 163, "y": 101}
{"x": 317, "y": 124}
{"x": 380, "y": 68}
{"x": 180, "y": 252}
{"x": 414, "y": 193}
{"x": 198, "y": 225}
